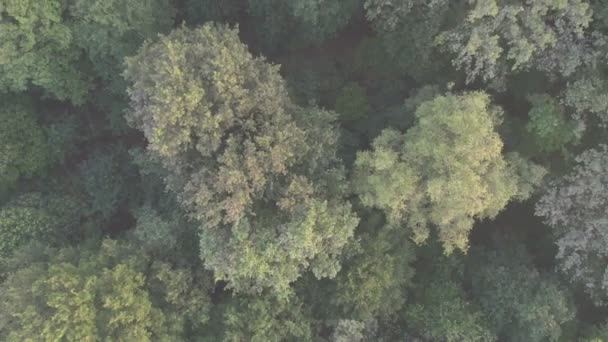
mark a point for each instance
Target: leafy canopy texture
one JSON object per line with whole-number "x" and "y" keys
{"x": 36, "y": 217}
{"x": 54, "y": 44}
{"x": 111, "y": 293}
{"x": 36, "y": 47}
{"x": 548, "y": 123}
{"x": 23, "y": 143}
{"x": 499, "y": 36}
{"x": 576, "y": 207}
{"x": 375, "y": 282}
{"x": 258, "y": 173}
{"x": 445, "y": 172}
{"x": 440, "y": 309}
{"x": 109, "y": 30}
{"x": 520, "y": 303}
{"x": 265, "y": 318}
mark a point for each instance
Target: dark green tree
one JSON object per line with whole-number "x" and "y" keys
{"x": 110, "y": 30}
{"x": 575, "y": 208}
{"x": 521, "y": 303}
{"x": 37, "y": 48}
{"x": 375, "y": 282}
{"x": 23, "y": 142}
{"x": 298, "y": 23}
{"x": 34, "y": 216}
{"x": 265, "y": 318}
{"x": 440, "y": 309}
{"x": 352, "y": 104}
{"x": 497, "y": 37}
{"x": 548, "y": 123}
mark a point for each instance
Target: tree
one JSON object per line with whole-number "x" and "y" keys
{"x": 496, "y": 37}
{"x": 155, "y": 232}
{"x": 587, "y": 94}
{"x": 549, "y": 125}
{"x": 37, "y": 47}
{"x": 53, "y": 44}
{"x": 374, "y": 283}
{"x": 23, "y": 143}
{"x": 111, "y": 30}
{"x": 408, "y": 29}
{"x": 37, "y": 217}
{"x": 349, "y": 331}
{"x": 440, "y": 309}
{"x": 411, "y": 44}
{"x": 103, "y": 293}
{"x": 596, "y": 333}
{"x": 446, "y": 171}
{"x": 265, "y": 318}
{"x": 258, "y": 173}
{"x": 575, "y": 208}
{"x": 109, "y": 181}
{"x": 71, "y": 302}
{"x": 520, "y": 303}
{"x": 352, "y": 104}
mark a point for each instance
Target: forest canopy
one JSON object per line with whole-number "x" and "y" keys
{"x": 304, "y": 170}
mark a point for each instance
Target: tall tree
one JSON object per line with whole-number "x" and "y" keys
{"x": 497, "y": 37}
{"x": 258, "y": 173}
{"x": 576, "y": 207}
{"x": 445, "y": 172}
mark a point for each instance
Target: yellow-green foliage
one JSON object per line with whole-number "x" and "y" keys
{"x": 258, "y": 173}
{"x": 99, "y": 295}
{"x": 445, "y": 172}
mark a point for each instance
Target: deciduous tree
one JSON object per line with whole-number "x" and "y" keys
{"x": 105, "y": 293}
{"x": 37, "y": 48}
{"x": 549, "y": 125}
{"x": 258, "y": 173}
{"x": 23, "y": 142}
{"x": 37, "y": 217}
{"x": 575, "y": 207}
{"x": 521, "y": 303}
{"x": 497, "y": 37}
{"x": 445, "y": 172}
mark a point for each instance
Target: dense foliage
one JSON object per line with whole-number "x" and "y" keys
{"x": 303, "y": 170}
